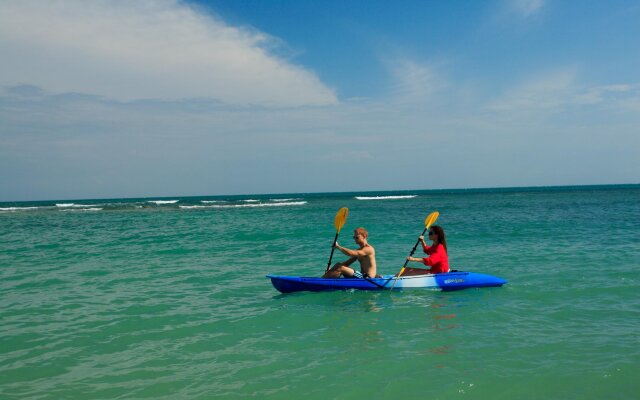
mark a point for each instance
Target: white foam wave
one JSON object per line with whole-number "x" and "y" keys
{"x": 161, "y": 202}
{"x": 83, "y": 209}
{"x": 213, "y": 201}
{"x": 14, "y": 209}
{"x": 386, "y": 197}
{"x": 73, "y": 205}
{"x": 284, "y": 200}
{"x": 292, "y": 203}
{"x": 251, "y": 201}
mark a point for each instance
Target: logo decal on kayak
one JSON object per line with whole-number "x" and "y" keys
{"x": 447, "y": 281}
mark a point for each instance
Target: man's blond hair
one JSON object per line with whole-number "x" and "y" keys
{"x": 362, "y": 231}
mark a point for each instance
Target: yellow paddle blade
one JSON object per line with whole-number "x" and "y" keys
{"x": 431, "y": 219}
{"x": 341, "y": 218}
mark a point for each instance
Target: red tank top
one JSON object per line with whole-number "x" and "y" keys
{"x": 438, "y": 259}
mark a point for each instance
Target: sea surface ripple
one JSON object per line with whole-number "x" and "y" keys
{"x": 167, "y": 298}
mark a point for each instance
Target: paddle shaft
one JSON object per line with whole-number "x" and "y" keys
{"x": 333, "y": 248}
{"x": 366, "y": 278}
{"x": 414, "y": 248}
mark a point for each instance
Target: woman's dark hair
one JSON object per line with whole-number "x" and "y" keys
{"x": 441, "y": 238}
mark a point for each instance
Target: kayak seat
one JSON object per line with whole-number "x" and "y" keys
{"x": 415, "y": 271}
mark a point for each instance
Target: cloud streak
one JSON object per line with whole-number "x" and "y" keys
{"x": 561, "y": 90}
{"x": 526, "y": 8}
{"x": 147, "y": 50}
{"x": 413, "y": 81}
{"x": 542, "y": 92}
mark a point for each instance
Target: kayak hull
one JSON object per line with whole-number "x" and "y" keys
{"x": 447, "y": 282}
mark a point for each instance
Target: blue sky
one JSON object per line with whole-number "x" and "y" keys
{"x": 129, "y": 99}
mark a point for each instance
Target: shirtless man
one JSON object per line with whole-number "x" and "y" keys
{"x": 366, "y": 256}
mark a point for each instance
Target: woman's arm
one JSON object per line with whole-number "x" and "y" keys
{"x": 424, "y": 244}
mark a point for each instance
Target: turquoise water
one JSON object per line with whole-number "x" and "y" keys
{"x": 134, "y": 299}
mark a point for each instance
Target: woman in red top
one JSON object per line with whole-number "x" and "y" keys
{"x": 438, "y": 259}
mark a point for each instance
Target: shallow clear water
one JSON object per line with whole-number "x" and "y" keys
{"x": 133, "y": 299}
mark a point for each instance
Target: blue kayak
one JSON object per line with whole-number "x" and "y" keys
{"x": 457, "y": 280}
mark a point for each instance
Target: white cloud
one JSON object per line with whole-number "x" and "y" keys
{"x": 544, "y": 91}
{"x": 604, "y": 93}
{"x": 414, "y": 82}
{"x": 146, "y": 50}
{"x": 561, "y": 90}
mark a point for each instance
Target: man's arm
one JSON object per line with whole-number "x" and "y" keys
{"x": 354, "y": 253}
{"x": 349, "y": 261}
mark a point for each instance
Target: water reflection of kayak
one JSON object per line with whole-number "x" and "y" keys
{"x": 449, "y": 281}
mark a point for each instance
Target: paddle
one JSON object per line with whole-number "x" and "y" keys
{"x": 341, "y": 218}
{"x": 427, "y": 224}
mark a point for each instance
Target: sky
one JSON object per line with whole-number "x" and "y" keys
{"x": 110, "y": 99}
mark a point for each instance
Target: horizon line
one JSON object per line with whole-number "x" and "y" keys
{"x": 488, "y": 188}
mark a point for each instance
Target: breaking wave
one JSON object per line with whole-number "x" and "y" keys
{"x": 282, "y": 204}
{"x": 161, "y": 202}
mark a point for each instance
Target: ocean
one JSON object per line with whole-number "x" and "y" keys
{"x": 166, "y": 298}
